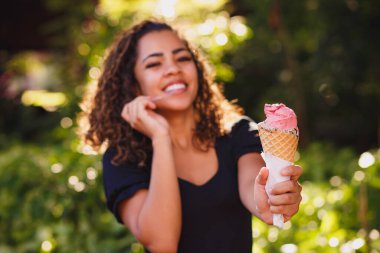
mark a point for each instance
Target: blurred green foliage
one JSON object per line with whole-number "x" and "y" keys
{"x": 51, "y": 201}
{"x": 313, "y": 55}
{"x": 320, "y": 57}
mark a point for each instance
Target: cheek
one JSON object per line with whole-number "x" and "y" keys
{"x": 191, "y": 72}
{"x": 144, "y": 80}
{"x": 147, "y": 84}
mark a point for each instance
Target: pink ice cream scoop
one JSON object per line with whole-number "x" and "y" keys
{"x": 280, "y": 116}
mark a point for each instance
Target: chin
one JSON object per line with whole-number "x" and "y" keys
{"x": 175, "y": 106}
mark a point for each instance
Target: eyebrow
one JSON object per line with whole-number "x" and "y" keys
{"x": 175, "y": 51}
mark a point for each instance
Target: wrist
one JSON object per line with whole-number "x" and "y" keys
{"x": 160, "y": 139}
{"x": 266, "y": 217}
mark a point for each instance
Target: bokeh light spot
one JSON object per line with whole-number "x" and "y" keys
{"x": 334, "y": 242}
{"x": 272, "y": 234}
{"x": 91, "y": 173}
{"x": 358, "y": 243}
{"x": 374, "y": 234}
{"x": 359, "y": 175}
{"x": 83, "y": 49}
{"x": 46, "y": 246}
{"x": 366, "y": 159}
{"x": 336, "y": 181}
{"x": 206, "y": 28}
{"x": 238, "y": 28}
{"x": 166, "y": 8}
{"x": 66, "y": 122}
{"x": 289, "y": 248}
{"x": 318, "y": 201}
{"x": 56, "y": 168}
{"x": 221, "y": 39}
{"x": 73, "y": 180}
{"x": 94, "y": 73}
{"x": 79, "y": 187}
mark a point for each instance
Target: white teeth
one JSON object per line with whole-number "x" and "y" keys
{"x": 173, "y": 87}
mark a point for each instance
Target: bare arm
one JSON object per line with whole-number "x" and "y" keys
{"x": 285, "y": 198}
{"x": 154, "y": 215}
{"x": 249, "y": 166}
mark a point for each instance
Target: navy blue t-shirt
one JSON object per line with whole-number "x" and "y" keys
{"x": 213, "y": 216}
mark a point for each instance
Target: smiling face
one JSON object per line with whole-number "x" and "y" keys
{"x": 165, "y": 65}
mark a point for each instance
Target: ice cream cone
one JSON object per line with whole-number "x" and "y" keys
{"x": 280, "y": 143}
{"x": 279, "y": 138}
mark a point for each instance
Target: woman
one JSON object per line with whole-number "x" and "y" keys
{"x": 174, "y": 173}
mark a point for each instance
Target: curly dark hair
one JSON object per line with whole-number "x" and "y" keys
{"x": 118, "y": 86}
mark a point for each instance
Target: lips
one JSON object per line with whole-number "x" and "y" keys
{"x": 175, "y": 87}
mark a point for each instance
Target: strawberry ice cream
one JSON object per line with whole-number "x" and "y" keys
{"x": 279, "y": 116}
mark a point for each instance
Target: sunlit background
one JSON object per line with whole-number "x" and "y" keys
{"x": 320, "y": 57}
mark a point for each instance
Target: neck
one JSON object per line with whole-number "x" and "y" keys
{"x": 181, "y": 128}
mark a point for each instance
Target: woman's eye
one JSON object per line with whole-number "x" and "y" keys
{"x": 152, "y": 65}
{"x": 184, "y": 58}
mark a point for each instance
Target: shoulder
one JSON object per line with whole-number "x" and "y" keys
{"x": 111, "y": 152}
{"x": 244, "y": 125}
{"x": 120, "y": 174}
{"x": 121, "y": 181}
{"x": 108, "y": 155}
{"x": 107, "y": 158}
{"x": 244, "y": 137}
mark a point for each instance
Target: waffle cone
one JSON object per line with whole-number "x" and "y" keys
{"x": 282, "y": 144}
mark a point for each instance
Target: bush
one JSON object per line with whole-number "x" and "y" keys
{"x": 333, "y": 215}
{"x": 52, "y": 201}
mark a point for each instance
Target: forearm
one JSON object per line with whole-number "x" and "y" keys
{"x": 248, "y": 168}
{"x": 159, "y": 221}
{"x": 251, "y": 204}
{"x": 246, "y": 190}
{"x": 247, "y": 197}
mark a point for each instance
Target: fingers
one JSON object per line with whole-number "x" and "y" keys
{"x": 286, "y": 187}
{"x": 287, "y": 210}
{"x": 140, "y": 115}
{"x": 134, "y": 111}
{"x": 286, "y": 204}
{"x": 293, "y": 171}
{"x": 285, "y": 198}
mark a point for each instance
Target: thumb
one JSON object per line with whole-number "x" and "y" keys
{"x": 262, "y": 177}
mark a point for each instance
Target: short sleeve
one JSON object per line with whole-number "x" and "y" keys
{"x": 244, "y": 137}
{"x": 121, "y": 182}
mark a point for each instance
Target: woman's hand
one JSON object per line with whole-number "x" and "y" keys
{"x": 284, "y": 198}
{"x": 139, "y": 113}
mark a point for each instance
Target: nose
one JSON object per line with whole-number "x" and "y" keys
{"x": 171, "y": 68}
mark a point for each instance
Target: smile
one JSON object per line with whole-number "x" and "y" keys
{"x": 175, "y": 87}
